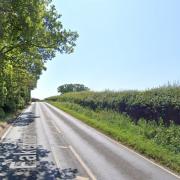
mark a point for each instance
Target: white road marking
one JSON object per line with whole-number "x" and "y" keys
{"x": 11, "y": 126}
{"x": 58, "y": 130}
{"x": 6, "y": 133}
{"x": 51, "y": 147}
{"x": 56, "y": 158}
{"x": 91, "y": 175}
{"x": 113, "y": 141}
{"x": 59, "y": 146}
{"x": 81, "y": 178}
{"x": 56, "y": 133}
{"x": 131, "y": 150}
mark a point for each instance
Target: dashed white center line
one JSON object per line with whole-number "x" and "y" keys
{"x": 91, "y": 175}
{"x": 54, "y": 125}
{"x": 81, "y": 178}
{"x": 59, "y": 146}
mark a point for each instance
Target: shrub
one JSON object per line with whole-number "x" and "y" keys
{"x": 10, "y": 106}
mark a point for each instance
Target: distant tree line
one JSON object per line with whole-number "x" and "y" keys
{"x": 72, "y": 88}
{"x": 30, "y": 34}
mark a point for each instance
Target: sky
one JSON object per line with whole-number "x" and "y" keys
{"x": 122, "y": 44}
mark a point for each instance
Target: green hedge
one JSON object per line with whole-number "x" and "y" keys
{"x": 151, "y": 104}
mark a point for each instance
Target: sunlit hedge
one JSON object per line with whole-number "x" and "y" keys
{"x": 160, "y": 103}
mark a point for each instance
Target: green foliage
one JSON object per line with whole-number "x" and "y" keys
{"x": 10, "y": 106}
{"x": 21, "y": 103}
{"x": 151, "y": 104}
{"x": 136, "y": 118}
{"x": 169, "y": 137}
{"x": 155, "y": 141}
{"x": 2, "y": 113}
{"x": 72, "y": 88}
{"x": 31, "y": 33}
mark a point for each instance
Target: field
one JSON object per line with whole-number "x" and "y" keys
{"x": 146, "y": 121}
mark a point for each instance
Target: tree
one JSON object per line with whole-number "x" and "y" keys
{"x": 30, "y": 34}
{"x": 72, "y": 88}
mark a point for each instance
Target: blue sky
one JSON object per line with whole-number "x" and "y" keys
{"x": 123, "y": 44}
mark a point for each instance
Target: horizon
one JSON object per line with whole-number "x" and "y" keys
{"x": 135, "y": 46}
{"x": 168, "y": 85}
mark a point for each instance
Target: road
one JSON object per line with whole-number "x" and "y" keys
{"x": 46, "y": 143}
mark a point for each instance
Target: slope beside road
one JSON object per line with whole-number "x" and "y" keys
{"x": 46, "y": 143}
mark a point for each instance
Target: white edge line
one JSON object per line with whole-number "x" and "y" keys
{"x": 82, "y": 163}
{"x": 133, "y": 151}
{"x": 50, "y": 146}
{"x": 10, "y": 127}
{"x": 119, "y": 144}
{"x": 6, "y": 133}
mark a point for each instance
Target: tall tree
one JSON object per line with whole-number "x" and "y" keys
{"x": 30, "y": 34}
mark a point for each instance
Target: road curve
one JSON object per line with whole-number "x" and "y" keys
{"x": 63, "y": 147}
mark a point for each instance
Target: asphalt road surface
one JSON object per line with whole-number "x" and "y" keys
{"x": 46, "y": 143}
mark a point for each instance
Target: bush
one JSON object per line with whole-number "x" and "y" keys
{"x": 21, "y": 103}
{"x": 10, "y": 106}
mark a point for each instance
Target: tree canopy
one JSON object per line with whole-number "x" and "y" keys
{"x": 72, "y": 88}
{"x": 30, "y": 34}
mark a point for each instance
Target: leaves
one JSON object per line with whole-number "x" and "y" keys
{"x": 152, "y": 104}
{"x": 72, "y": 88}
{"x": 31, "y": 33}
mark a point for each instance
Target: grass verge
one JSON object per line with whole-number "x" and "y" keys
{"x": 7, "y": 120}
{"x": 122, "y": 129}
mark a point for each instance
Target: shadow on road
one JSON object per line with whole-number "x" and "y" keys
{"x": 25, "y": 119}
{"x": 14, "y": 165}
{"x": 23, "y": 159}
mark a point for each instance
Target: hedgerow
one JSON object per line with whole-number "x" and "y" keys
{"x": 154, "y": 104}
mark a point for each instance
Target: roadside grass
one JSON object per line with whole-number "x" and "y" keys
{"x": 151, "y": 104}
{"x": 3, "y": 124}
{"x": 8, "y": 118}
{"x": 157, "y": 142}
{"x": 5, "y": 119}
